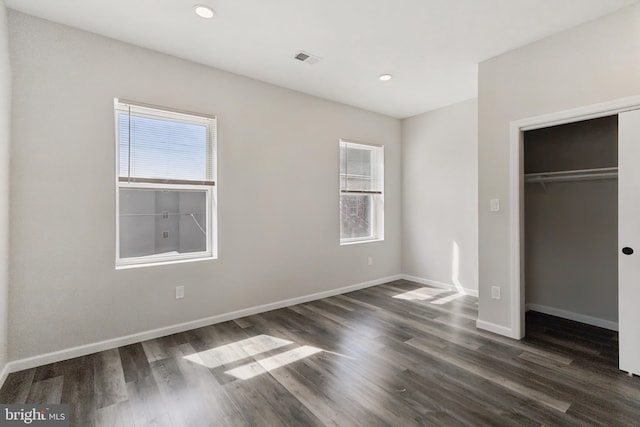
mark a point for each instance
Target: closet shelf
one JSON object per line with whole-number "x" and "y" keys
{"x": 572, "y": 175}
{"x": 161, "y": 214}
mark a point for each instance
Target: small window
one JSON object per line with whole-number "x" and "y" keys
{"x": 165, "y": 185}
{"x": 361, "y": 192}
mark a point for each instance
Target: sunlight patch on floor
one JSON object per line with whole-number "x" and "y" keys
{"x": 261, "y": 366}
{"x": 237, "y": 351}
{"x": 431, "y": 295}
{"x": 447, "y": 299}
{"x": 420, "y": 294}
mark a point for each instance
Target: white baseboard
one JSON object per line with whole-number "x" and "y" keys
{"x": 582, "y": 318}
{"x": 434, "y": 283}
{"x": 4, "y": 374}
{"x": 496, "y": 329}
{"x": 70, "y": 353}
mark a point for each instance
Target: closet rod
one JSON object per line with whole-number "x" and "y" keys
{"x": 160, "y": 214}
{"x": 572, "y": 175}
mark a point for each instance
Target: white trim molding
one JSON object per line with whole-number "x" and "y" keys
{"x": 496, "y": 329}
{"x": 516, "y": 186}
{"x": 582, "y": 318}
{"x": 4, "y": 374}
{"x": 442, "y": 285}
{"x": 83, "y": 350}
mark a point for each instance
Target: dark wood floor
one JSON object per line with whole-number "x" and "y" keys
{"x": 396, "y": 354}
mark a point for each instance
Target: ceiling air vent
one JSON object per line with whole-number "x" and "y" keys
{"x": 306, "y": 57}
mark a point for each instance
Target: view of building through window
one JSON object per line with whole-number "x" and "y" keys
{"x": 165, "y": 185}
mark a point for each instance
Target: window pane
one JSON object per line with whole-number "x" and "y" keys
{"x": 355, "y": 216}
{"x": 168, "y": 222}
{"x": 356, "y": 168}
{"x": 162, "y": 149}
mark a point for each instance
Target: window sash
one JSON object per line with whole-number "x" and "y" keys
{"x": 361, "y": 179}
{"x": 359, "y": 192}
{"x": 165, "y": 181}
{"x": 372, "y": 217}
{"x": 130, "y": 109}
{"x": 140, "y": 261}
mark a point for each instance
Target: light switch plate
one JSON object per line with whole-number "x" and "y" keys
{"x": 494, "y": 205}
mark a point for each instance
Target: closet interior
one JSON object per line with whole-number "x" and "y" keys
{"x": 571, "y": 221}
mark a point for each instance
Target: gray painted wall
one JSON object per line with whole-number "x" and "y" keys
{"x": 589, "y": 64}
{"x": 5, "y": 118}
{"x": 278, "y": 162}
{"x": 439, "y": 203}
{"x": 571, "y": 229}
{"x": 571, "y": 247}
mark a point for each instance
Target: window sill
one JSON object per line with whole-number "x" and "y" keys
{"x": 357, "y": 242}
{"x": 153, "y": 263}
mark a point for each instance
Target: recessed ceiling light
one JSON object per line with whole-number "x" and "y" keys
{"x": 384, "y": 77}
{"x": 204, "y": 11}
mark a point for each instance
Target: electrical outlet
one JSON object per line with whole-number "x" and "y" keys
{"x": 165, "y": 234}
{"x": 179, "y": 292}
{"x": 495, "y": 292}
{"x": 370, "y": 260}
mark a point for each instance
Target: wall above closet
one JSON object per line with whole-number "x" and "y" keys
{"x": 589, "y": 144}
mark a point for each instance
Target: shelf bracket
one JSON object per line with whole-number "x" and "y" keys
{"x": 544, "y": 187}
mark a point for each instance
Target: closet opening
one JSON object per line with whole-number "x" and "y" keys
{"x": 570, "y": 230}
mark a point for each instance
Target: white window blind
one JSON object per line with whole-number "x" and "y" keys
{"x": 164, "y": 147}
{"x": 360, "y": 168}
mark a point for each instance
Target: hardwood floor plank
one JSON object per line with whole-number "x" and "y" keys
{"x": 146, "y": 403}
{"x": 363, "y": 398}
{"x": 16, "y": 387}
{"x": 135, "y": 364}
{"x": 109, "y": 384}
{"x": 243, "y": 323}
{"x": 211, "y": 394}
{"x": 78, "y": 387}
{"x": 442, "y": 381}
{"x": 153, "y": 351}
{"x": 180, "y": 401}
{"x": 337, "y": 303}
{"x": 495, "y": 377}
{"x": 46, "y": 391}
{"x": 389, "y": 355}
{"x": 252, "y": 406}
{"x": 118, "y": 414}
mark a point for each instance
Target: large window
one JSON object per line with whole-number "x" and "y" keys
{"x": 361, "y": 192}
{"x": 165, "y": 185}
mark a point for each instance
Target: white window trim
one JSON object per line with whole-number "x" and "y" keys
{"x": 210, "y": 190}
{"x": 376, "y": 206}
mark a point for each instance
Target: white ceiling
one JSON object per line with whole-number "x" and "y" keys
{"x": 431, "y": 47}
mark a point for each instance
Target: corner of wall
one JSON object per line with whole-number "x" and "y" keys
{"x": 440, "y": 236}
{"x": 5, "y": 135}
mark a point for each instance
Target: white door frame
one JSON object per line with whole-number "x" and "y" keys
{"x": 516, "y": 191}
